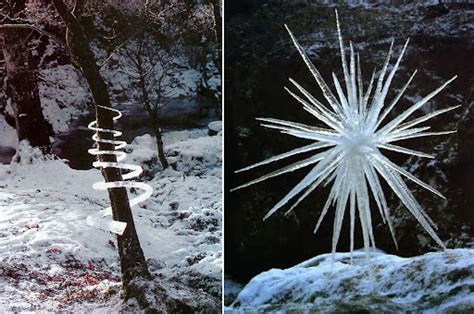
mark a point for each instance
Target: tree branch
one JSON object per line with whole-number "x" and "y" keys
{"x": 34, "y": 28}
{"x": 114, "y": 51}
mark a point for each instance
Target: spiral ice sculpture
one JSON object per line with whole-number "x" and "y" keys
{"x": 98, "y": 219}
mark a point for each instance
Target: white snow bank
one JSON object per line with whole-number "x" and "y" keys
{"x": 439, "y": 282}
{"x": 143, "y": 147}
{"x": 190, "y": 152}
{"x": 174, "y": 137}
{"x": 197, "y": 156}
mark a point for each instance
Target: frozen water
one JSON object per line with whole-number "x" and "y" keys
{"x": 354, "y": 138}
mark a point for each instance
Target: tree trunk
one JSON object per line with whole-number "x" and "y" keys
{"x": 216, "y": 4}
{"x": 132, "y": 260}
{"x": 21, "y": 81}
{"x": 159, "y": 144}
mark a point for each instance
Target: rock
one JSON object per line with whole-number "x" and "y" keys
{"x": 174, "y": 205}
{"x": 440, "y": 282}
{"x": 6, "y": 154}
{"x": 434, "y": 11}
{"x": 214, "y": 128}
{"x": 231, "y": 290}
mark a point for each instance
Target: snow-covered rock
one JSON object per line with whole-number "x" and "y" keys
{"x": 214, "y": 127}
{"x": 437, "y": 282}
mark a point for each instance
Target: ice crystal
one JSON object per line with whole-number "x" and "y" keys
{"x": 353, "y": 139}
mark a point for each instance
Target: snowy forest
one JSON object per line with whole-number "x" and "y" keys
{"x": 81, "y": 80}
{"x": 274, "y": 260}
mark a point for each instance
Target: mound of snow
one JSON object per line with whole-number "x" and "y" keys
{"x": 196, "y": 156}
{"x": 142, "y": 149}
{"x": 439, "y": 282}
{"x": 173, "y": 137}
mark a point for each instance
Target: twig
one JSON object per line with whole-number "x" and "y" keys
{"x": 118, "y": 47}
{"x": 156, "y": 16}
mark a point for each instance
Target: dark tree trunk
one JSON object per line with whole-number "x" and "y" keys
{"x": 218, "y": 18}
{"x": 132, "y": 260}
{"x": 21, "y": 81}
{"x": 159, "y": 143}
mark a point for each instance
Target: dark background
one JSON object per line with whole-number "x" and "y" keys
{"x": 259, "y": 59}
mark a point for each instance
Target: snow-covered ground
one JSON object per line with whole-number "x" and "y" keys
{"x": 50, "y": 260}
{"x": 437, "y": 282}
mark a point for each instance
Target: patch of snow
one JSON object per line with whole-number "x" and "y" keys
{"x": 142, "y": 149}
{"x": 9, "y": 108}
{"x": 213, "y": 81}
{"x": 63, "y": 97}
{"x": 174, "y": 137}
{"x": 199, "y": 156}
{"x": 187, "y": 84}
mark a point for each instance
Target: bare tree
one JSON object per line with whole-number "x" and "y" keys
{"x": 132, "y": 260}
{"x": 151, "y": 57}
{"x": 151, "y": 65}
{"x": 21, "y": 76}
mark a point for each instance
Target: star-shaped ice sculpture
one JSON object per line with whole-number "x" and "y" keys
{"x": 353, "y": 141}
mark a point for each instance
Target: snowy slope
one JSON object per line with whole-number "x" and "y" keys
{"x": 51, "y": 260}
